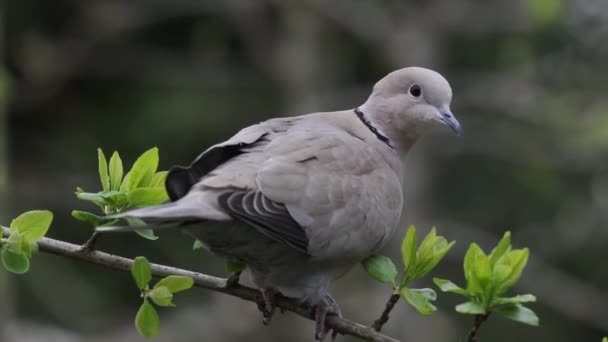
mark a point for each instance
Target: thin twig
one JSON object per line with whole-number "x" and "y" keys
{"x": 390, "y": 304}
{"x": 341, "y": 325}
{"x": 477, "y": 321}
{"x": 91, "y": 242}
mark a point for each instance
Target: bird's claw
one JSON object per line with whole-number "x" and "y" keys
{"x": 322, "y": 310}
{"x": 267, "y": 306}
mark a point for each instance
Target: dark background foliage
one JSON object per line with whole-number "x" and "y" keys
{"x": 529, "y": 80}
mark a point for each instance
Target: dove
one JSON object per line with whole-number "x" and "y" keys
{"x": 300, "y": 200}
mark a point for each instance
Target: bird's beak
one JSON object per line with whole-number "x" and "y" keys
{"x": 449, "y": 119}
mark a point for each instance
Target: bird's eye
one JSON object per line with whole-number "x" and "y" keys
{"x": 415, "y": 90}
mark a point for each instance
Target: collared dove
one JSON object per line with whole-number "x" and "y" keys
{"x": 300, "y": 200}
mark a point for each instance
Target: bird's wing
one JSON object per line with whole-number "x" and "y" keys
{"x": 338, "y": 189}
{"x": 223, "y": 168}
{"x": 181, "y": 179}
{"x": 306, "y": 183}
{"x": 268, "y": 217}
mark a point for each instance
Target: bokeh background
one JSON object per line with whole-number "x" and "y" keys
{"x": 530, "y": 83}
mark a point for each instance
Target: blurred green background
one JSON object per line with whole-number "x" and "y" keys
{"x": 530, "y": 84}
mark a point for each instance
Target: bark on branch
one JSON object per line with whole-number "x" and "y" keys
{"x": 341, "y": 325}
{"x": 390, "y": 304}
{"x": 477, "y": 322}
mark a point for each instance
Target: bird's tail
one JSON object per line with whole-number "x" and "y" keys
{"x": 164, "y": 216}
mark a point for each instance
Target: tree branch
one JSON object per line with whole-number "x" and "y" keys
{"x": 477, "y": 321}
{"x": 390, "y": 304}
{"x": 341, "y": 325}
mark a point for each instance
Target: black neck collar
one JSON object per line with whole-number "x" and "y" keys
{"x": 371, "y": 127}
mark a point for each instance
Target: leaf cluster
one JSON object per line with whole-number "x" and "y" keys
{"x": 25, "y": 231}
{"x": 488, "y": 278}
{"x": 418, "y": 261}
{"x": 147, "y": 320}
{"x": 142, "y": 186}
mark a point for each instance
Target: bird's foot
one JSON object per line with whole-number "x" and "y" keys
{"x": 329, "y": 306}
{"x": 267, "y": 306}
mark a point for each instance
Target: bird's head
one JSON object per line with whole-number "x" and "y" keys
{"x": 409, "y": 101}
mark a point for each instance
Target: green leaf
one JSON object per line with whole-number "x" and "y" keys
{"x": 470, "y": 308}
{"x": 14, "y": 242}
{"x": 146, "y": 233}
{"x": 103, "y": 170}
{"x": 175, "y": 283}
{"x": 198, "y": 244}
{"x": 158, "y": 180}
{"x": 141, "y": 272}
{"x": 15, "y": 261}
{"x": 34, "y": 248}
{"x": 380, "y": 268}
{"x": 503, "y": 246}
{"x": 143, "y": 232}
{"x": 478, "y": 271}
{"x": 116, "y": 171}
{"x": 92, "y": 197}
{"x": 605, "y": 339}
{"x": 32, "y": 225}
{"x": 482, "y": 273}
{"x": 147, "y": 321}
{"x": 235, "y": 266}
{"x": 142, "y": 197}
{"x": 408, "y": 250}
{"x": 426, "y": 263}
{"x": 418, "y": 300}
{"x": 516, "y": 260}
{"x": 448, "y": 286}
{"x": 161, "y": 296}
{"x": 115, "y": 198}
{"x": 135, "y": 222}
{"x": 518, "y": 313}
{"x": 441, "y": 249}
{"x": 429, "y": 294}
{"x": 426, "y": 246}
{"x": 527, "y": 298}
{"x": 26, "y": 248}
{"x": 124, "y": 187}
{"x": 87, "y": 217}
{"x": 469, "y": 259}
{"x": 144, "y": 166}
{"x": 501, "y": 273}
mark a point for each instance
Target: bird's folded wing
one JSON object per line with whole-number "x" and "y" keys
{"x": 270, "y": 218}
{"x": 181, "y": 179}
{"x": 335, "y": 186}
{"x": 312, "y": 186}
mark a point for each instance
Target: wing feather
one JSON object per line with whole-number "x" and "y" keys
{"x": 269, "y": 218}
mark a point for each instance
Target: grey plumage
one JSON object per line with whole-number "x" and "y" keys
{"x": 268, "y": 217}
{"x": 300, "y": 200}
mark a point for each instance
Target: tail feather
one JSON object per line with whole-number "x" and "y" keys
{"x": 164, "y": 216}
{"x": 131, "y": 228}
{"x": 163, "y": 212}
